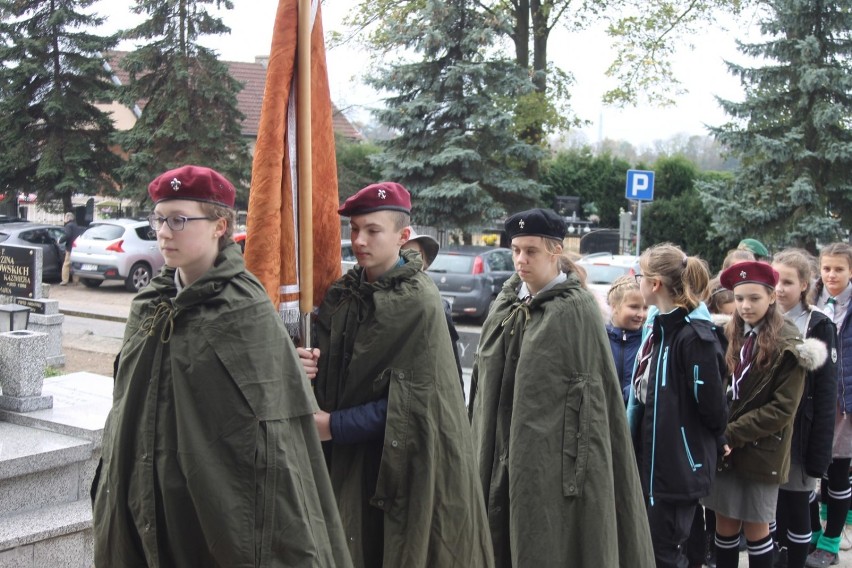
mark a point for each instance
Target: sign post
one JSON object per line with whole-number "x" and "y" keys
{"x": 639, "y": 187}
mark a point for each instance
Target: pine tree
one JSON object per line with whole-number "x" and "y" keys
{"x": 190, "y": 113}
{"x": 54, "y": 140}
{"x": 457, "y": 149}
{"x": 792, "y": 133}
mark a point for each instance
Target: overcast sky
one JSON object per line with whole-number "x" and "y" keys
{"x": 586, "y": 55}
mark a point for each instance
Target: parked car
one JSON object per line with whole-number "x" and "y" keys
{"x": 240, "y": 239}
{"x": 117, "y": 249}
{"x": 49, "y": 238}
{"x": 347, "y": 256}
{"x": 602, "y": 268}
{"x": 470, "y": 278}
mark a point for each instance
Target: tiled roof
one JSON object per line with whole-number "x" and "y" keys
{"x": 249, "y": 99}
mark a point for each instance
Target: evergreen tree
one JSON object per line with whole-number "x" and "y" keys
{"x": 598, "y": 180}
{"x": 792, "y": 133}
{"x": 190, "y": 113}
{"x": 54, "y": 141}
{"x": 457, "y": 149}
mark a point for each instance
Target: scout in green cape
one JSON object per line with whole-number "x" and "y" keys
{"x": 210, "y": 452}
{"x": 555, "y": 459}
{"x": 398, "y": 446}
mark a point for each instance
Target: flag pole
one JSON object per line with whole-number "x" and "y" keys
{"x": 305, "y": 170}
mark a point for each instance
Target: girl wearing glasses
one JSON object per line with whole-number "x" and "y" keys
{"x": 210, "y": 452}
{"x": 677, "y": 407}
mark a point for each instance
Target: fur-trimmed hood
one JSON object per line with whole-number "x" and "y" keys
{"x": 812, "y": 353}
{"x": 720, "y": 320}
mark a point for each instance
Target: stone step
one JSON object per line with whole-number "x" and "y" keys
{"x": 59, "y": 535}
{"x": 81, "y": 402}
{"x": 39, "y": 468}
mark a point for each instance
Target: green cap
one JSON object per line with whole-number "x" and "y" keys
{"x": 755, "y": 246}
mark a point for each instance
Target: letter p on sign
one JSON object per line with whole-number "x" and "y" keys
{"x": 640, "y": 185}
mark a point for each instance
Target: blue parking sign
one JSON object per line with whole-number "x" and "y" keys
{"x": 640, "y": 185}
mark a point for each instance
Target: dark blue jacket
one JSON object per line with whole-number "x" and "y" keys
{"x": 675, "y": 432}
{"x": 624, "y": 345}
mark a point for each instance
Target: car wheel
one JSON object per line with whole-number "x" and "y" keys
{"x": 139, "y": 277}
{"x": 89, "y": 283}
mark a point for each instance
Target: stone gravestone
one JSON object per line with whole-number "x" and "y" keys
{"x": 21, "y": 283}
{"x": 20, "y": 271}
{"x": 22, "y": 355}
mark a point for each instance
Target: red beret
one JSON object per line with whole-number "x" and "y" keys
{"x": 386, "y": 195}
{"x": 749, "y": 272}
{"x": 196, "y": 183}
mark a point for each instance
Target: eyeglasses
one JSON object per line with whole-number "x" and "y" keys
{"x": 175, "y": 222}
{"x": 638, "y": 278}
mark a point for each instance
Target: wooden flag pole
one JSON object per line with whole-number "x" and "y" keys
{"x": 305, "y": 170}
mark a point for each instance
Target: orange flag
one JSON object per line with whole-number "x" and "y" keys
{"x": 273, "y": 238}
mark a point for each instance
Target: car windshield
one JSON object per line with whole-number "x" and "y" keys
{"x": 452, "y": 264}
{"x": 603, "y": 274}
{"x": 103, "y": 232}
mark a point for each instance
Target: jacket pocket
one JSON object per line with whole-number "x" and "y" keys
{"x": 394, "y": 449}
{"x": 694, "y": 466}
{"x": 575, "y": 438}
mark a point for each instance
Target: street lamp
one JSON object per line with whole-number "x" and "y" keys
{"x": 13, "y": 317}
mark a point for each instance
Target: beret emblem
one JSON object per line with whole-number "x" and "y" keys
{"x": 175, "y": 183}
{"x": 743, "y": 274}
{"x": 521, "y": 223}
{"x": 382, "y": 194}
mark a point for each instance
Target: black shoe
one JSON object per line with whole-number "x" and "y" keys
{"x": 780, "y": 556}
{"x": 710, "y": 550}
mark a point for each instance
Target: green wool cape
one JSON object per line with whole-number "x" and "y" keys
{"x": 555, "y": 456}
{"x": 411, "y": 499}
{"x": 210, "y": 452}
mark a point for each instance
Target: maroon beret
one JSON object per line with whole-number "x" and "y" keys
{"x": 196, "y": 183}
{"x": 383, "y": 196}
{"x": 749, "y": 272}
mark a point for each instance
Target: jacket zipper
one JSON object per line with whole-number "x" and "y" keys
{"x": 654, "y": 429}
{"x": 692, "y": 463}
{"x": 623, "y": 347}
{"x": 665, "y": 364}
{"x": 696, "y": 382}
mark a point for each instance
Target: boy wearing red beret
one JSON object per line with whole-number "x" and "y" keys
{"x": 398, "y": 442}
{"x": 210, "y": 453}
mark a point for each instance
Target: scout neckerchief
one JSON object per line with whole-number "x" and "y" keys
{"x": 744, "y": 364}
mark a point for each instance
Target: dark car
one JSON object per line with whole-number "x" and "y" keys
{"x": 471, "y": 277}
{"x": 49, "y": 238}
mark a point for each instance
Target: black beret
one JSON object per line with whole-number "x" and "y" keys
{"x": 536, "y": 223}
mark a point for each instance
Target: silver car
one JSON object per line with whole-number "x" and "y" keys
{"x": 49, "y": 238}
{"x": 117, "y": 249}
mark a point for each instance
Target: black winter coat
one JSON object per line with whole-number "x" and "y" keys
{"x": 685, "y": 410}
{"x": 813, "y": 428}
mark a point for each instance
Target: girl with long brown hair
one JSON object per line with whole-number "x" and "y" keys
{"x": 766, "y": 379}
